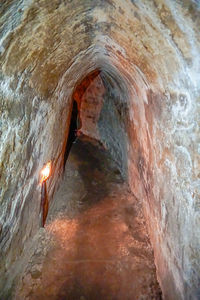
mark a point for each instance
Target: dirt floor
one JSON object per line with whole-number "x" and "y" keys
{"x": 95, "y": 244}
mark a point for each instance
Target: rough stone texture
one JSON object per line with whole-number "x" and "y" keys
{"x": 89, "y": 97}
{"x": 151, "y": 51}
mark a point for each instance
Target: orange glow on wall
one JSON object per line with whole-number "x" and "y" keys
{"x": 45, "y": 172}
{"x": 82, "y": 87}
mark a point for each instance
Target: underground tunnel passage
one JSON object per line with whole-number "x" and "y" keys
{"x": 107, "y": 94}
{"x": 96, "y": 244}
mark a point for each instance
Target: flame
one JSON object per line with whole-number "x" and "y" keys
{"x": 45, "y": 172}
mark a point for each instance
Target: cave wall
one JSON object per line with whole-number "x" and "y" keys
{"x": 34, "y": 118}
{"x": 89, "y": 97}
{"x": 46, "y": 49}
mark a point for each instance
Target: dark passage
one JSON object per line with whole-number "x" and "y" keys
{"x": 72, "y": 131}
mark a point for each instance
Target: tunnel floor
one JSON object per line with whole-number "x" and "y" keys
{"x": 95, "y": 244}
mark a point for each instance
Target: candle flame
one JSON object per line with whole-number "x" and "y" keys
{"x": 45, "y": 172}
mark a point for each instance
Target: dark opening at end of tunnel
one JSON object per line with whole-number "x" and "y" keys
{"x": 72, "y": 131}
{"x": 100, "y": 112}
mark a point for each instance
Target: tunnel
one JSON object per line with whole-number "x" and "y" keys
{"x": 100, "y": 111}
{"x": 104, "y": 95}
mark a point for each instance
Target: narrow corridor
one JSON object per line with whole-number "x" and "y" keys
{"x": 94, "y": 245}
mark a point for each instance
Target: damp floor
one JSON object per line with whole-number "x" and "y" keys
{"x": 95, "y": 244}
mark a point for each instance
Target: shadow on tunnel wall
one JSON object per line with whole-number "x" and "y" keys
{"x": 72, "y": 131}
{"x": 112, "y": 123}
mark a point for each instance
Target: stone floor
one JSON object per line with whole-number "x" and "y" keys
{"x": 95, "y": 244}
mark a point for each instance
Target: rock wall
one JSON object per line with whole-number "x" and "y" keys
{"x": 151, "y": 48}
{"x": 89, "y": 96}
{"x": 112, "y": 123}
